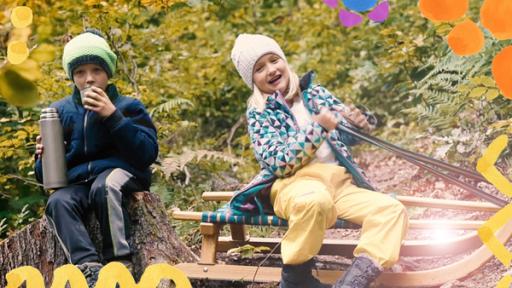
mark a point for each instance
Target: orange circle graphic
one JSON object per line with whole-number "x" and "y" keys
{"x": 466, "y": 39}
{"x": 496, "y": 15}
{"x": 443, "y": 10}
{"x": 502, "y": 71}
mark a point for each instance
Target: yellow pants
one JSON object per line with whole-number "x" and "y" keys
{"x": 316, "y": 195}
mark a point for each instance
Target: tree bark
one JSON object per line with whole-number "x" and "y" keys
{"x": 152, "y": 238}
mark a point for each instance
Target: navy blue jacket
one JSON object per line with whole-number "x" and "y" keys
{"x": 126, "y": 139}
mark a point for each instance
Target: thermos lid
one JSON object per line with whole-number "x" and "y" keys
{"x": 49, "y": 110}
{"x": 49, "y": 113}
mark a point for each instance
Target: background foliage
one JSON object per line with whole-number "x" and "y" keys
{"x": 174, "y": 56}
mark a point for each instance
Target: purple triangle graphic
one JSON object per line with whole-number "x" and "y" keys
{"x": 331, "y": 3}
{"x": 349, "y": 19}
{"x": 380, "y": 13}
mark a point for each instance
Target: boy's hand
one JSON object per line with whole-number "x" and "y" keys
{"x": 39, "y": 146}
{"x": 326, "y": 118}
{"x": 355, "y": 117}
{"x": 97, "y": 100}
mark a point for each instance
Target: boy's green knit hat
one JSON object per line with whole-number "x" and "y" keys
{"x": 88, "y": 48}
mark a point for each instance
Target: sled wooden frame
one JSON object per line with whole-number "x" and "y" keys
{"x": 207, "y": 268}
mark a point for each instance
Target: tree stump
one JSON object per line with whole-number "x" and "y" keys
{"x": 152, "y": 238}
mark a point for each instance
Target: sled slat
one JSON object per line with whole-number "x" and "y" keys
{"x": 409, "y": 201}
{"x": 413, "y": 224}
{"x": 345, "y": 248}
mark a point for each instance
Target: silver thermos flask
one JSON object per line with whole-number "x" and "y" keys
{"x": 54, "y": 157}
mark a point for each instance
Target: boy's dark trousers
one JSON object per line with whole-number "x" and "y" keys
{"x": 68, "y": 207}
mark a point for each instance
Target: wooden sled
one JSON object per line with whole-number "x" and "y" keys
{"x": 477, "y": 253}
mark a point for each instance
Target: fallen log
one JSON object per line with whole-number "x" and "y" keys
{"x": 152, "y": 238}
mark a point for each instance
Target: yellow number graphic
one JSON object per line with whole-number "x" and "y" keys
{"x": 505, "y": 282}
{"x": 115, "y": 272}
{"x": 68, "y": 273}
{"x": 110, "y": 275}
{"x": 486, "y": 232}
{"x": 17, "y": 276}
{"x": 485, "y": 165}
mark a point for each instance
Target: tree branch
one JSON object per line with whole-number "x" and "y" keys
{"x": 232, "y": 131}
{"x": 32, "y": 182}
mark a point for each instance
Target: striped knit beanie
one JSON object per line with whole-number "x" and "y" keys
{"x": 248, "y": 49}
{"x": 88, "y": 48}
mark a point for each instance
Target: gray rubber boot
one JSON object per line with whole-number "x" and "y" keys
{"x": 91, "y": 270}
{"x": 299, "y": 276}
{"x": 360, "y": 274}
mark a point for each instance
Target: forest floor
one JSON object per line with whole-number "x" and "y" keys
{"x": 393, "y": 175}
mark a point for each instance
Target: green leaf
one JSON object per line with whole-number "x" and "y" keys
{"x": 17, "y": 90}
{"x": 443, "y": 28}
{"x": 247, "y": 251}
{"x": 488, "y": 81}
{"x": 262, "y": 249}
{"x": 492, "y": 94}
{"x": 476, "y": 80}
{"x": 44, "y": 53}
{"x": 3, "y": 226}
{"x": 28, "y": 69}
{"x": 477, "y": 92}
{"x": 463, "y": 88}
{"x": 500, "y": 124}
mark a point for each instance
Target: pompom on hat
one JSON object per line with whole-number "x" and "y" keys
{"x": 88, "y": 48}
{"x": 248, "y": 49}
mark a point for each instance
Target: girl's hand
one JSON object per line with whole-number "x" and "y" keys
{"x": 355, "y": 117}
{"x": 326, "y": 119}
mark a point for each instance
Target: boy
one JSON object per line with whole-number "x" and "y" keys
{"x": 110, "y": 143}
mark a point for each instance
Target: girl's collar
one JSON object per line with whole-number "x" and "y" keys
{"x": 307, "y": 80}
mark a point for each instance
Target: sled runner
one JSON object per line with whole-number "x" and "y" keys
{"x": 475, "y": 252}
{"x": 212, "y": 222}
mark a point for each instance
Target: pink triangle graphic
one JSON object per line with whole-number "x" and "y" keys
{"x": 380, "y": 13}
{"x": 349, "y": 19}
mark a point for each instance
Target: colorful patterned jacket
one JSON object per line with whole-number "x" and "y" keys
{"x": 282, "y": 148}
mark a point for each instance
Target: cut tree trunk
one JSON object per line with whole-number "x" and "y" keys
{"x": 152, "y": 239}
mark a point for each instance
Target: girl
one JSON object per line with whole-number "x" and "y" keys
{"x": 308, "y": 176}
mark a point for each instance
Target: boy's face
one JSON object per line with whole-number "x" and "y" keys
{"x": 270, "y": 74}
{"x": 90, "y": 75}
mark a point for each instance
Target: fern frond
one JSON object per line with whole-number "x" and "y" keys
{"x": 3, "y": 226}
{"x": 168, "y": 106}
{"x": 173, "y": 163}
{"x": 439, "y": 89}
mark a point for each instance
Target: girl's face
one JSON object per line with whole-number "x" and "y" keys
{"x": 270, "y": 74}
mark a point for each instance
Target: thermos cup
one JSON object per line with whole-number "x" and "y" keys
{"x": 54, "y": 157}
